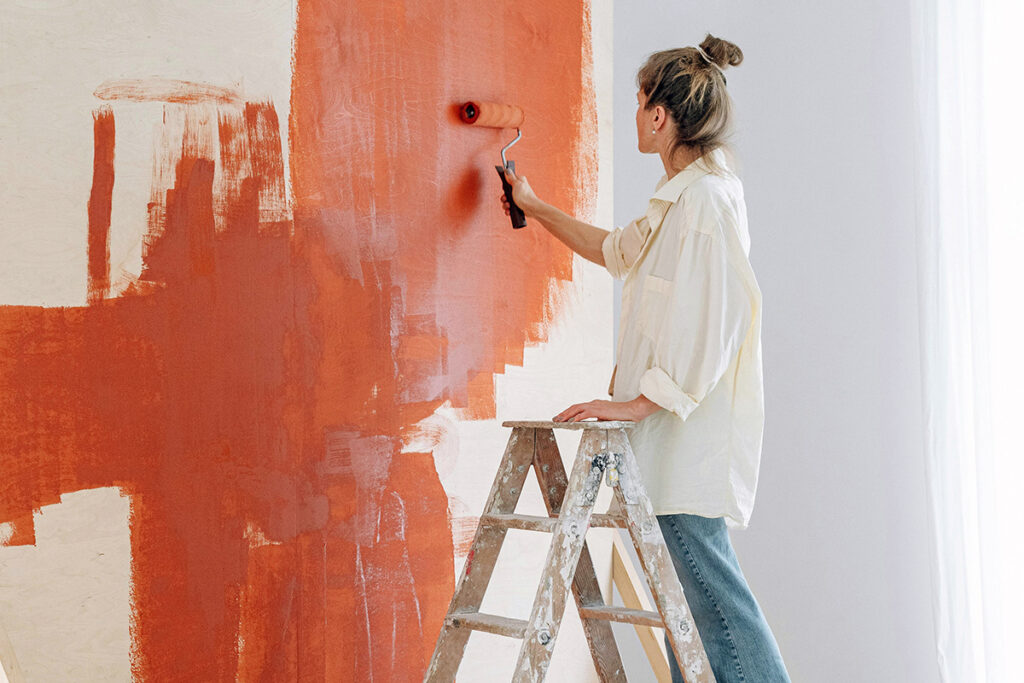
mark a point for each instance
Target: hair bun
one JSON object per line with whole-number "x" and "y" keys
{"x": 722, "y": 52}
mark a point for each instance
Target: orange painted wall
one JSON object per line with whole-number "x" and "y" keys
{"x": 251, "y": 391}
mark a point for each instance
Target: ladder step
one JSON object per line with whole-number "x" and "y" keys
{"x": 527, "y": 522}
{"x": 609, "y": 521}
{"x": 491, "y": 623}
{"x": 623, "y": 614}
{"x": 548, "y": 524}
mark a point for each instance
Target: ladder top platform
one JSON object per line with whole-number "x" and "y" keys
{"x": 581, "y": 424}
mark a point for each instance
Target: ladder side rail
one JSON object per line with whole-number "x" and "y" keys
{"x": 657, "y": 564}
{"x": 585, "y": 587}
{"x": 560, "y": 566}
{"x": 483, "y": 555}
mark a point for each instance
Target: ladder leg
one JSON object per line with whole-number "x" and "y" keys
{"x": 563, "y": 555}
{"x": 483, "y": 555}
{"x": 585, "y": 587}
{"x": 657, "y": 564}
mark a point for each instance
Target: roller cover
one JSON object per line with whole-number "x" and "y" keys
{"x": 492, "y": 114}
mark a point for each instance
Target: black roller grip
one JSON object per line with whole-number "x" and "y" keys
{"x": 515, "y": 213}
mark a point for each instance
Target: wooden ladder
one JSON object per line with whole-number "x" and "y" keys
{"x": 604, "y": 451}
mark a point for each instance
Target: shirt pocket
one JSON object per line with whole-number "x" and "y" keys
{"x": 654, "y": 297}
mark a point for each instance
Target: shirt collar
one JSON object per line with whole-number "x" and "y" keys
{"x": 668, "y": 190}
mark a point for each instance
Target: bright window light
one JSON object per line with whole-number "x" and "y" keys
{"x": 1004, "y": 148}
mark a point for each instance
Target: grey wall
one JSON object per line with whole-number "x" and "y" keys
{"x": 837, "y": 551}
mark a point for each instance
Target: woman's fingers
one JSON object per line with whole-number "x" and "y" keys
{"x": 571, "y": 414}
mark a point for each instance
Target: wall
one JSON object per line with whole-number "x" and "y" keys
{"x": 836, "y": 551}
{"x": 257, "y": 301}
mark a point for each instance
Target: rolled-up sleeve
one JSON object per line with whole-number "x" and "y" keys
{"x": 700, "y": 328}
{"x": 622, "y": 246}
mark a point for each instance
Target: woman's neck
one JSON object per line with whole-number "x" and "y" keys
{"x": 683, "y": 157}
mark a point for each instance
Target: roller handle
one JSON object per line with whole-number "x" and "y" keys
{"x": 515, "y": 213}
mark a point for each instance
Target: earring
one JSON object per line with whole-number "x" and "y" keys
{"x": 654, "y": 131}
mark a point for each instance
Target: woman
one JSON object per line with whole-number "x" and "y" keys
{"x": 688, "y": 367}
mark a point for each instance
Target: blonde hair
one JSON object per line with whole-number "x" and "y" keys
{"x": 693, "y": 92}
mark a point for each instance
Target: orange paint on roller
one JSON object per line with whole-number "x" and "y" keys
{"x": 492, "y": 114}
{"x": 495, "y": 115}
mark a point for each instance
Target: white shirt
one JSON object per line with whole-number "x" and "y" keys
{"x": 690, "y": 340}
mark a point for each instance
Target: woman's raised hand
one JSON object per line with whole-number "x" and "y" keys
{"x": 522, "y": 193}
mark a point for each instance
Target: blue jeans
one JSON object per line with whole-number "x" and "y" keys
{"x": 739, "y": 643}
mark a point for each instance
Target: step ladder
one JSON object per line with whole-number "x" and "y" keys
{"x": 604, "y": 452}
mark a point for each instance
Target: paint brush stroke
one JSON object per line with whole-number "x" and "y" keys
{"x": 188, "y": 392}
{"x": 165, "y": 90}
{"x": 99, "y": 205}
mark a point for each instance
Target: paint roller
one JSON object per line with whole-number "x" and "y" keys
{"x": 494, "y": 115}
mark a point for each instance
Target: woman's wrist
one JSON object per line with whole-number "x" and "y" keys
{"x": 642, "y": 407}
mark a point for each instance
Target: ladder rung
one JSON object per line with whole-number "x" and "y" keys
{"x": 613, "y": 521}
{"x": 491, "y": 623}
{"x": 537, "y": 523}
{"x": 623, "y": 614}
{"x": 527, "y": 522}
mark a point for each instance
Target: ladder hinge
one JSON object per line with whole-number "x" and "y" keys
{"x": 608, "y": 462}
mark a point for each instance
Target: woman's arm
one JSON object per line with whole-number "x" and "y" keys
{"x": 709, "y": 309}
{"x": 583, "y": 238}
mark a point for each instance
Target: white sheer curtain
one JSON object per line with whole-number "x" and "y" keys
{"x": 971, "y": 284}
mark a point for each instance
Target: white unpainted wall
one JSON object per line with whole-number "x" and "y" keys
{"x": 837, "y": 548}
